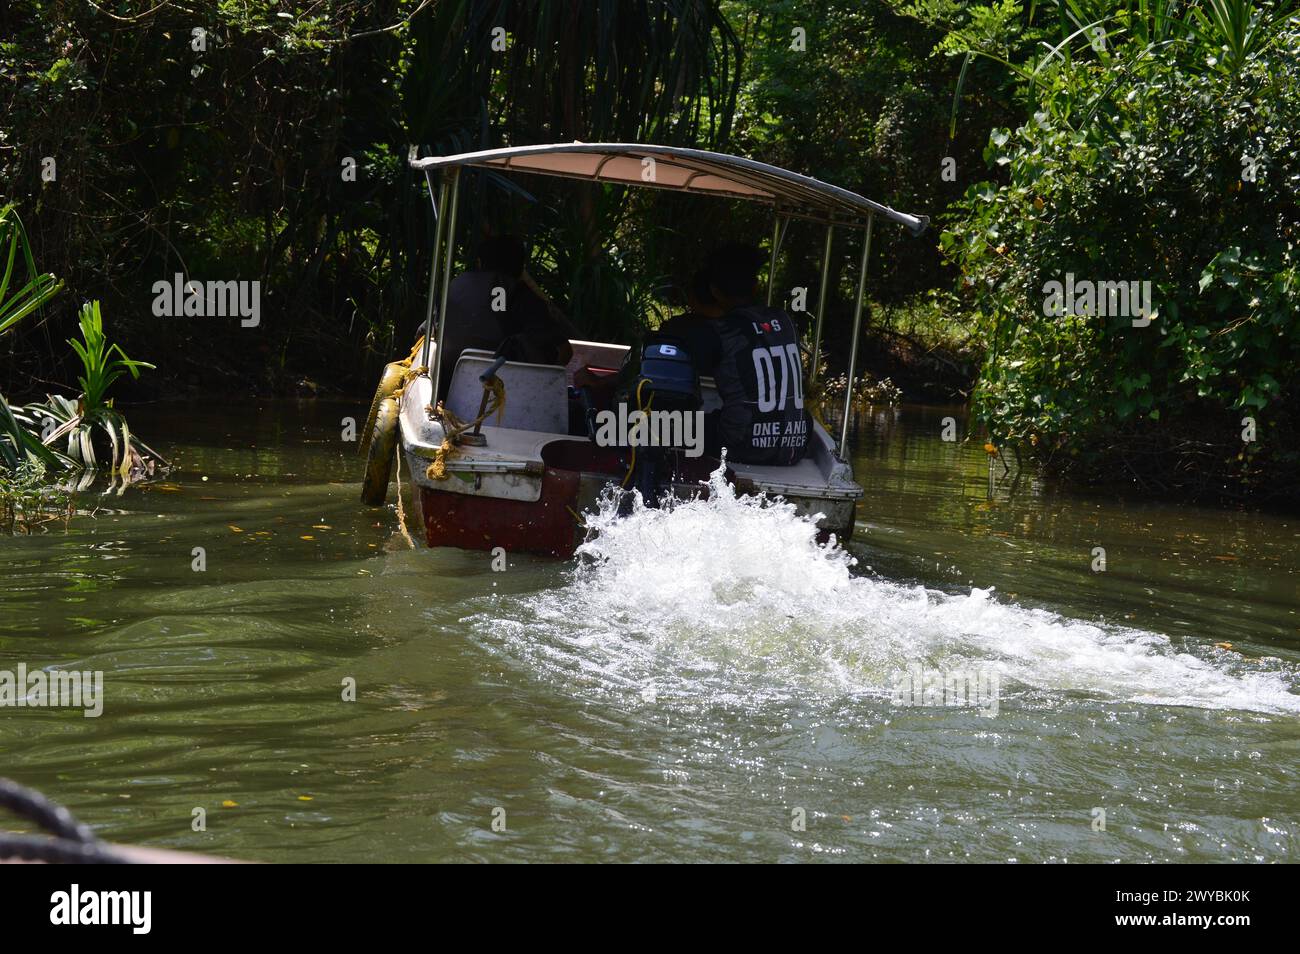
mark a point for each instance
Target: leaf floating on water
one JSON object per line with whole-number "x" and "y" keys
{"x": 234, "y": 528}
{"x": 229, "y": 804}
{"x": 321, "y": 526}
{"x": 1223, "y": 646}
{"x": 304, "y": 798}
{"x": 306, "y": 536}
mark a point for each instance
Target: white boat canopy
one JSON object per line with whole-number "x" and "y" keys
{"x": 676, "y": 168}
{"x": 684, "y": 170}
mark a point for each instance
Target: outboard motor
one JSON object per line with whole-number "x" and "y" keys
{"x": 670, "y": 371}
{"x": 667, "y": 383}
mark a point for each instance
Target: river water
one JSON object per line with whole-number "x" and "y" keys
{"x": 705, "y": 685}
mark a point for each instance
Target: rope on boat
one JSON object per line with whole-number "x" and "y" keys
{"x": 646, "y": 409}
{"x": 401, "y": 514}
{"x": 65, "y": 840}
{"x": 412, "y": 371}
{"x": 453, "y": 426}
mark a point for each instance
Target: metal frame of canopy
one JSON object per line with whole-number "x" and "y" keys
{"x": 792, "y": 196}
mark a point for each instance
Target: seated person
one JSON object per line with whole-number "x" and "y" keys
{"x": 758, "y": 371}
{"x": 752, "y": 353}
{"x": 493, "y": 307}
{"x": 692, "y": 328}
{"x": 695, "y": 328}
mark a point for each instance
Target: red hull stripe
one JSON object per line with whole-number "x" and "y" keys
{"x": 548, "y": 525}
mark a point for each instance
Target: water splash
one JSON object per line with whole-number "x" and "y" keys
{"x": 732, "y": 600}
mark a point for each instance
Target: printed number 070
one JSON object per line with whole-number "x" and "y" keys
{"x": 766, "y": 361}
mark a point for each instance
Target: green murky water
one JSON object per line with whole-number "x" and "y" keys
{"x": 711, "y": 680}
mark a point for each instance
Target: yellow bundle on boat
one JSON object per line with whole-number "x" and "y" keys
{"x": 453, "y": 426}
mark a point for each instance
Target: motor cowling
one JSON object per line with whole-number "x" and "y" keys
{"x": 669, "y": 375}
{"x": 667, "y": 383}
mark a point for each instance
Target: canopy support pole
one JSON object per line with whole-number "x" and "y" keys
{"x": 454, "y": 184}
{"x": 821, "y": 307}
{"x": 778, "y": 234}
{"x": 439, "y": 203}
{"x": 857, "y": 331}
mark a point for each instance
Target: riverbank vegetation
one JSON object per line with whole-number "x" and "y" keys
{"x": 1130, "y": 144}
{"x": 1159, "y": 155}
{"x": 43, "y": 442}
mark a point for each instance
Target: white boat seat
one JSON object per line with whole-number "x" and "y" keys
{"x": 537, "y": 397}
{"x": 807, "y": 474}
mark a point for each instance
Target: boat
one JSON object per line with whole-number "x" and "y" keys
{"x": 486, "y": 471}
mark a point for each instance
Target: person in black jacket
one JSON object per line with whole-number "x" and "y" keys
{"x": 758, "y": 369}
{"x": 697, "y": 326}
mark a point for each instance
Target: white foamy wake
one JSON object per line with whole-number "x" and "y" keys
{"x": 731, "y": 600}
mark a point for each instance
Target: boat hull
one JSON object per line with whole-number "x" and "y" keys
{"x": 548, "y": 525}
{"x": 552, "y": 524}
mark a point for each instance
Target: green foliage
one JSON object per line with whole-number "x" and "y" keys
{"x": 226, "y": 163}
{"x": 93, "y": 415}
{"x": 28, "y": 501}
{"x": 598, "y": 71}
{"x": 18, "y": 444}
{"x": 1233, "y": 32}
{"x": 862, "y": 102}
{"x": 101, "y": 363}
{"x": 18, "y": 301}
{"x": 1185, "y": 176}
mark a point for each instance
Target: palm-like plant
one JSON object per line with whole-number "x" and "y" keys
{"x": 102, "y": 364}
{"x": 1231, "y": 32}
{"x": 17, "y": 301}
{"x": 79, "y": 421}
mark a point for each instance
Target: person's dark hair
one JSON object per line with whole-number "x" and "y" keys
{"x": 733, "y": 268}
{"x": 504, "y": 254}
{"x": 700, "y": 290}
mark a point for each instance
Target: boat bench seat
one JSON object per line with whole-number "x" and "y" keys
{"x": 537, "y": 395}
{"x": 821, "y": 470}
